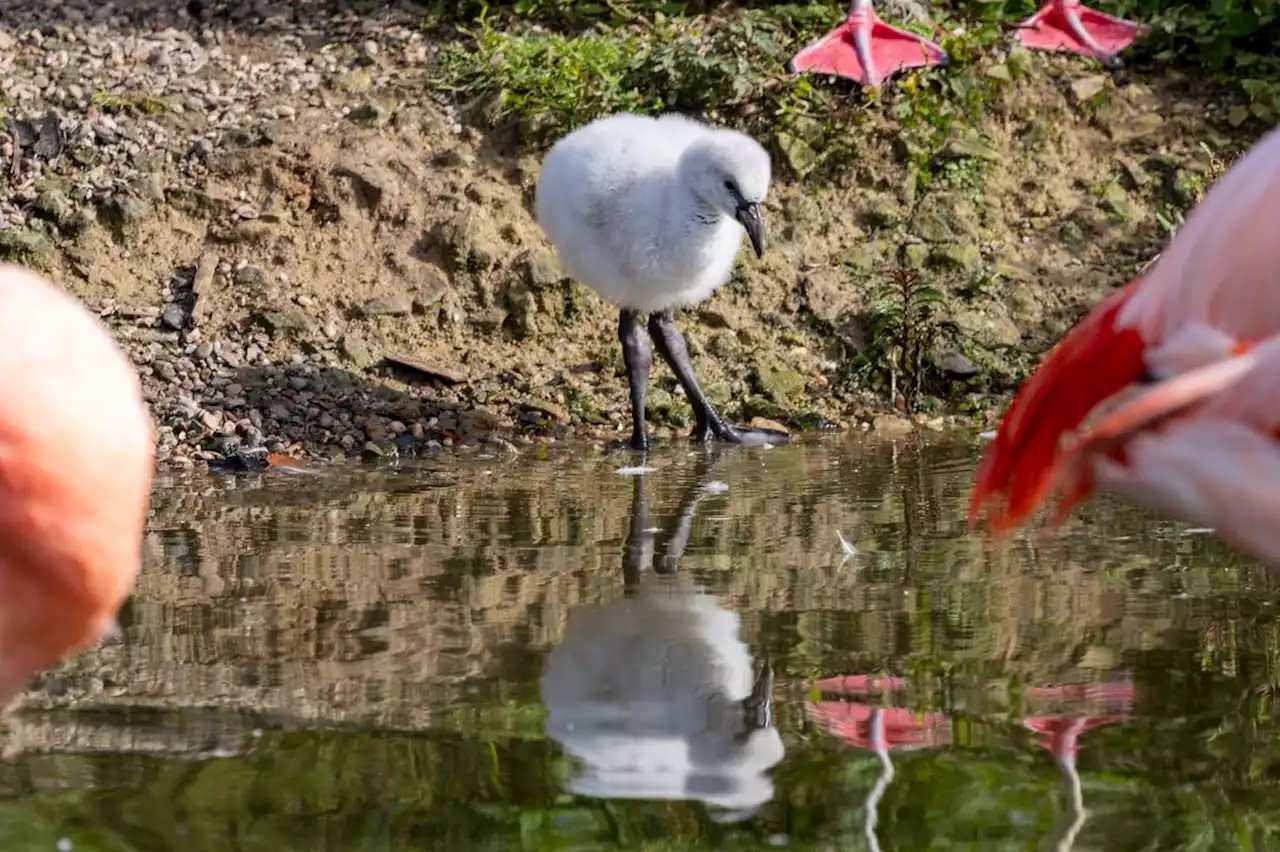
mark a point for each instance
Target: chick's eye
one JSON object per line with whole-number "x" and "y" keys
{"x": 729, "y": 186}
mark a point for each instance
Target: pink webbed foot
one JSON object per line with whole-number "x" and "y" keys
{"x": 866, "y": 50}
{"x": 1067, "y": 25}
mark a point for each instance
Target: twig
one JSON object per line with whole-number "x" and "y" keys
{"x": 15, "y": 161}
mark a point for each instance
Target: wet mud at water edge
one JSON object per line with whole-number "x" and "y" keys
{"x": 796, "y": 647}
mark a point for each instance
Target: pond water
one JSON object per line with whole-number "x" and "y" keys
{"x": 355, "y": 661}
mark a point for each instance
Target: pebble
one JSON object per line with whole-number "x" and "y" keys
{"x": 216, "y": 386}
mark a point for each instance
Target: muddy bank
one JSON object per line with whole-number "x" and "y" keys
{"x": 308, "y": 246}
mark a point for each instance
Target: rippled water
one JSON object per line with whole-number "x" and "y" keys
{"x": 356, "y": 661}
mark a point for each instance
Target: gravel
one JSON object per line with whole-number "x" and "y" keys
{"x": 100, "y": 98}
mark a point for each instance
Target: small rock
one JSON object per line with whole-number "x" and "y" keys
{"x": 124, "y": 210}
{"x": 374, "y": 113}
{"x": 479, "y": 420}
{"x": 891, "y": 424}
{"x": 766, "y": 423}
{"x": 251, "y": 277}
{"x": 725, "y": 346}
{"x": 150, "y": 186}
{"x": 454, "y": 375}
{"x": 880, "y": 212}
{"x": 801, "y": 156}
{"x": 777, "y": 382}
{"x": 354, "y": 347}
{"x": 955, "y": 363}
{"x": 462, "y": 238}
{"x": 970, "y": 145}
{"x": 1117, "y": 202}
{"x": 989, "y": 328}
{"x": 431, "y": 289}
{"x": 1134, "y": 126}
{"x": 1087, "y": 87}
{"x": 212, "y": 420}
{"x": 540, "y": 268}
{"x": 164, "y": 370}
{"x": 863, "y": 255}
{"x": 1019, "y": 60}
{"x": 915, "y": 255}
{"x": 549, "y": 409}
{"x": 943, "y": 217}
{"x": 394, "y": 305}
{"x": 54, "y": 205}
{"x": 174, "y": 316}
{"x": 354, "y": 81}
{"x": 284, "y": 321}
{"x": 370, "y": 184}
{"x": 962, "y": 256}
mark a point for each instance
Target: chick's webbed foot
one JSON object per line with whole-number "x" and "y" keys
{"x": 709, "y": 426}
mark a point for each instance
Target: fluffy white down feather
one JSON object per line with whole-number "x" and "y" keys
{"x": 638, "y": 211}
{"x": 647, "y": 692}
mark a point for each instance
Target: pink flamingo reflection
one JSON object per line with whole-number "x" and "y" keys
{"x": 1106, "y": 704}
{"x": 877, "y": 729}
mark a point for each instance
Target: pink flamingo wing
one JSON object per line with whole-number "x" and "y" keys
{"x": 1217, "y": 465}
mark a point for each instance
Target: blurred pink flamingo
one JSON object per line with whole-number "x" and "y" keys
{"x": 1180, "y": 372}
{"x": 1060, "y": 734}
{"x": 877, "y": 729}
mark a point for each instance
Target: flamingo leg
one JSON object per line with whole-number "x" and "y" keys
{"x": 1071, "y": 26}
{"x": 866, "y": 50}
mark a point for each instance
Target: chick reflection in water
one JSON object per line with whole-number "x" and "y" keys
{"x": 655, "y": 692}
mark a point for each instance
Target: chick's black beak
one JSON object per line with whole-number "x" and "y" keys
{"x": 752, "y": 219}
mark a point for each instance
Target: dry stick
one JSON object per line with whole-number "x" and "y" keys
{"x": 15, "y": 162}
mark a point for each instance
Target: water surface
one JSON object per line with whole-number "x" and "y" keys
{"x": 353, "y": 661}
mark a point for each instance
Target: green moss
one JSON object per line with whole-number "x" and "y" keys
{"x": 112, "y": 102}
{"x": 26, "y": 247}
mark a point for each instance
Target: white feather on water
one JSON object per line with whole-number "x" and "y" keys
{"x": 847, "y": 548}
{"x": 635, "y": 470}
{"x": 638, "y": 210}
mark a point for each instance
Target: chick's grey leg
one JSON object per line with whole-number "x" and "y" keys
{"x": 671, "y": 346}
{"x": 637, "y": 355}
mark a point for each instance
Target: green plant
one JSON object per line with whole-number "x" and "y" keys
{"x": 111, "y": 102}
{"x": 1234, "y": 40}
{"x": 1169, "y": 218}
{"x": 554, "y": 81}
{"x": 904, "y": 328}
{"x": 1190, "y": 188}
{"x": 935, "y": 108}
{"x": 26, "y": 247}
{"x": 730, "y": 67}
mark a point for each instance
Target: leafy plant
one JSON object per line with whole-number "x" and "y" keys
{"x": 730, "y": 68}
{"x": 904, "y": 329}
{"x": 1190, "y": 189}
{"x": 1234, "y": 40}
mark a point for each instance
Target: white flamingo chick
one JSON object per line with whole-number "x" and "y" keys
{"x": 649, "y": 213}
